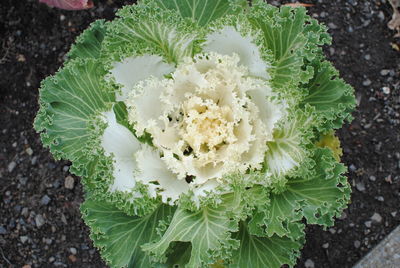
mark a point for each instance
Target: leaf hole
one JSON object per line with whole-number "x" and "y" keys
{"x": 189, "y": 178}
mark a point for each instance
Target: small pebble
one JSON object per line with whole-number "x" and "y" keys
{"x": 25, "y": 212}
{"x": 352, "y": 168}
{"x": 380, "y": 198}
{"x": 326, "y": 245}
{"x": 39, "y": 220}
{"x": 367, "y": 82}
{"x": 394, "y": 213}
{"x": 29, "y": 151}
{"x": 309, "y": 263}
{"x": 23, "y": 180}
{"x": 385, "y": 72}
{"x": 332, "y": 26}
{"x": 23, "y": 239}
{"x": 367, "y": 57}
{"x": 11, "y": 166}
{"x": 343, "y": 216}
{"x": 368, "y": 224}
{"x": 372, "y": 178}
{"x": 64, "y": 219}
{"x": 376, "y": 218}
{"x": 386, "y": 90}
{"x": 73, "y": 251}
{"x": 360, "y": 186}
{"x": 45, "y": 200}
{"x": 357, "y": 244}
{"x": 33, "y": 160}
{"x": 72, "y": 258}
{"x": 69, "y": 182}
{"x": 3, "y": 230}
{"x": 350, "y": 29}
{"x": 381, "y": 15}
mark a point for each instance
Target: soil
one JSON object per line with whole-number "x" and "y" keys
{"x": 40, "y": 224}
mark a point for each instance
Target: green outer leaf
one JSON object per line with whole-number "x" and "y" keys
{"x": 293, "y": 38}
{"x": 264, "y": 252}
{"x": 332, "y": 98}
{"x": 291, "y": 139}
{"x": 147, "y": 29}
{"x": 119, "y": 236}
{"x": 88, "y": 44}
{"x": 318, "y": 198}
{"x": 68, "y": 103}
{"x": 208, "y": 230}
{"x": 202, "y": 11}
{"x": 179, "y": 255}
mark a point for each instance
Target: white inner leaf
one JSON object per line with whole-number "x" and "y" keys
{"x": 119, "y": 142}
{"x": 228, "y": 41}
{"x": 134, "y": 69}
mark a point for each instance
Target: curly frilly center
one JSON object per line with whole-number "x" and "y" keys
{"x": 203, "y": 121}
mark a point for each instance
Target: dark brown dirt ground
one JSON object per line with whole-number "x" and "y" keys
{"x": 33, "y": 42}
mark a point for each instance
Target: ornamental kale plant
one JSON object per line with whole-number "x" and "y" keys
{"x": 203, "y": 132}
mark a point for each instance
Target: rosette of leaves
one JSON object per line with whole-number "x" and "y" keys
{"x": 199, "y": 129}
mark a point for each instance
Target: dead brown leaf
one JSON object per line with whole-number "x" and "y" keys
{"x": 298, "y": 5}
{"x": 394, "y": 24}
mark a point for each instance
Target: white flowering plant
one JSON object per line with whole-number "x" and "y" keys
{"x": 203, "y": 132}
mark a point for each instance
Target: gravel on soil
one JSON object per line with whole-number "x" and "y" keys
{"x": 40, "y": 222}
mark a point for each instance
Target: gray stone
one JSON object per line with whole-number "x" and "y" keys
{"x": 29, "y": 151}
{"x": 11, "y": 166}
{"x": 357, "y": 244}
{"x": 23, "y": 180}
{"x": 3, "y": 230}
{"x": 367, "y": 82}
{"x": 360, "y": 186}
{"x": 73, "y": 251}
{"x": 309, "y": 263}
{"x": 23, "y": 239}
{"x": 376, "y": 218}
{"x": 45, "y": 200}
{"x": 33, "y": 160}
{"x": 372, "y": 178}
{"x": 25, "y": 212}
{"x": 368, "y": 224}
{"x": 381, "y": 15}
{"x": 386, "y": 90}
{"x": 39, "y": 220}
{"x": 332, "y": 26}
{"x": 69, "y": 182}
{"x": 352, "y": 168}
